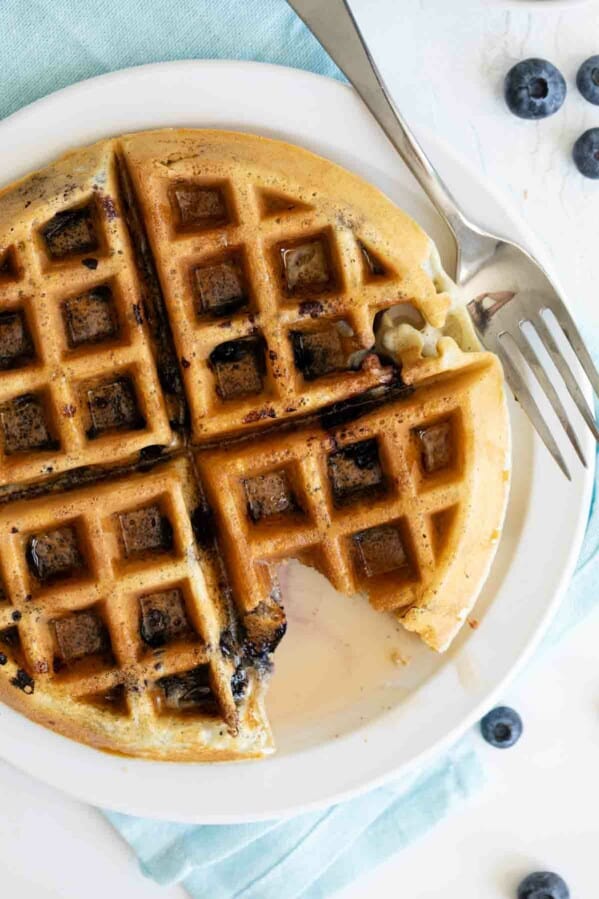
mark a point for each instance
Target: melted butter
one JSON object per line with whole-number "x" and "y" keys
{"x": 337, "y": 667}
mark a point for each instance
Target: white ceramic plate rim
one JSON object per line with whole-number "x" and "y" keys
{"x": 257, "y": 97}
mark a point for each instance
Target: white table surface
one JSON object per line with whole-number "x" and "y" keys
{"x": 444, "y": 60}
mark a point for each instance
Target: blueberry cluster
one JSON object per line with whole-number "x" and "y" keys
{"x": 535, "y": 89}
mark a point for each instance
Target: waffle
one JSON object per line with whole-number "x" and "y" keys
{"x": 219, "y": 352}
{"x": 84, "y": 371}
{"x": 280, "y": 258}
{"x": 110, "y": 624}
{"x": 389, "y": 504}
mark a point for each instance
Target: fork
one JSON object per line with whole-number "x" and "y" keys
{"x": 513, "y": 298}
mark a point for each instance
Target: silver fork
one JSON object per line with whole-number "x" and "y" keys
{"x": 512, "y": 294}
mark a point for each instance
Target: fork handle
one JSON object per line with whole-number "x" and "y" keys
{"x": 334, "y": 26}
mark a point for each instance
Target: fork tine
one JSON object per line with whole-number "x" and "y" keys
{"x": 566, "y": 323}
{"x": 547, "y": 339}
{"x": 527, "y": 401}
{"x": 526, "y": 348}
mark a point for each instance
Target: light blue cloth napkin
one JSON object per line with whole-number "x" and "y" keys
{"x": 310, "y": 856}
{"x": 45, "y": 45}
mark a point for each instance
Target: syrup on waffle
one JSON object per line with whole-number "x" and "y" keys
{"x": 381, "y": 504}
{"x": 272, "y": 283}
{"x": 190, "y": 394}
{"x": 113, "y": 612}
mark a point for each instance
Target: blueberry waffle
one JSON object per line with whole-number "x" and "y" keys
{"x": 218, "y": 352}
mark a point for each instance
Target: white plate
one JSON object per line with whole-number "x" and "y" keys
{"x": 344, "y": 716}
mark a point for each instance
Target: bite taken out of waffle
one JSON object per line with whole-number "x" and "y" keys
{"x": 219, "y": 352}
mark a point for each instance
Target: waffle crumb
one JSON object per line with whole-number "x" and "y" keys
{"x": 398, "y": 659}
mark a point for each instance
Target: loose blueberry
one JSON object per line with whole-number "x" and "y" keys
{"x": 543, "y": 885}
{"x": 501, "y": 727}
{"x": 585, "y": 153}
{"x": 534, "y": 89}
{"x": 587, "y": 79}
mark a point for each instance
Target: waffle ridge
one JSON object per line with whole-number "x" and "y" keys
{"x": 189, "y": 394}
